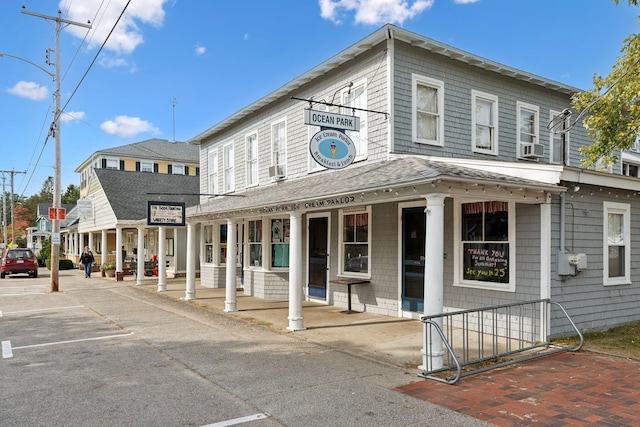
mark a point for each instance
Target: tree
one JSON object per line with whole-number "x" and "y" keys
{"x": 71, "y": 196}
{"x": 611, "y": 110}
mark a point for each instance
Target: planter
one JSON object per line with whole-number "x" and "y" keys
{"x": 119, "y": 276}
{"x": 110, "y": 273}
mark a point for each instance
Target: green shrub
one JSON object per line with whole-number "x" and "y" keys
{"x": 65, "y": 264}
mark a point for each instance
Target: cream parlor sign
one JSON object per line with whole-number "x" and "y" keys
{"x": 331, "y": 147}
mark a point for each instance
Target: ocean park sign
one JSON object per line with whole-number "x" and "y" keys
{"x": 331, "y": 147}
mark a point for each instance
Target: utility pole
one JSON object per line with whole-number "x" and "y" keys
{"x": 4, "y": 207}
{"x": 4, "y": 213}
{"x": 55, "y": 129}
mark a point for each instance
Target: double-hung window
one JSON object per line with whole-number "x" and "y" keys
{"x": 251, "y": 144}
{"x": 528, "y": 129}
{"x": 279, "y": 148}
{"x": 555, "y": 139}
{"x": 229, "y": 168}
{"x": 280, "y": 232}
{"x": 485, "y": 254}
{"x": 428, "y": 110}
{"x": 146, "y": 166}
{"x": 177, "y": 169}
{"x": 617, "y": 236}
{"x": 356, "y": 97}
{"x": 213, "y": 171}
{"x": 355, "y": 243}
{"x": 484, "y": 122}
{"x": 208, "y": 236}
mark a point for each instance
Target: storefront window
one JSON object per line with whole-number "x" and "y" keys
{"x": 255, "y": 243}
{"x": 280, "y": 242}
{"x": 485, "y": 242}
{"x": 208, "y": 243}
{"x": 355, "y": 243}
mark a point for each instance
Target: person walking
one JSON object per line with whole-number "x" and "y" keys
{"x": 87, "y": 260}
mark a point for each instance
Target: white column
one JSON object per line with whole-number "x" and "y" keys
{"x": 77, "y": 244}
{"x": 140, "y": 260}
{"x": 230, "y": 303}
{"x": 432, "y": 353}
{"x": 190, "y": 292}
{"x": 81, "y": 243}
{"x": 118, "y": 245}
{"x": 162, "y": 252}
{"x": 91, "y": 248}
{"x": 103, "y": 245}
{"x": 295, "y": 272}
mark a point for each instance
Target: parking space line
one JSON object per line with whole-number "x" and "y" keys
{"x": 10, "y": 350}
{"x": 241, "y": 420}
{"x": 6, "y": 350}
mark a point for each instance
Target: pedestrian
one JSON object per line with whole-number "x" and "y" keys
{"x": 87, "y": 260}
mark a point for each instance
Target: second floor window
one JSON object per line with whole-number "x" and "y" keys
{"x": 212, "y": 159}
{"x": 484, "y": 122}
{"x": 356, "y": 97}
{"x": 428, "y": 110}
{"x": 279, "y": 146}
{"x": 528, "y": 124}
{"x": 251, "y": 142}
{"x": 555, "y": 139}
{"x": 229, "y": 168}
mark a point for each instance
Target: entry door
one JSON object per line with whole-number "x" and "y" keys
{"x": 413, "y": 256}
{"x": 318, "y": 245}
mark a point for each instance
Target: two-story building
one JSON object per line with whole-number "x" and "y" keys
{"x": 459, "y": 193}
{"x": 116, "y": 186}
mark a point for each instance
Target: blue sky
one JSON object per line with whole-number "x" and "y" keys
{"x": 195, "y": 62}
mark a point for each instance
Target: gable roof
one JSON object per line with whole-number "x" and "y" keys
{"x": 128, "y": 192}
{"x": 381, "y": 36}
{"x": 152, "y": 149}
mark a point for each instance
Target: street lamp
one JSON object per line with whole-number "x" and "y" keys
{"x": 55, "y": 129}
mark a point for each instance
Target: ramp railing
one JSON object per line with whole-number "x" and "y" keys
{"x": 481, "y": 339}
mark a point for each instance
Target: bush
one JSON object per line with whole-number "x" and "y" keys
{"x": 63, "y": 264}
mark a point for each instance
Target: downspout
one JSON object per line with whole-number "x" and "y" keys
{"x": 390, "y": 90}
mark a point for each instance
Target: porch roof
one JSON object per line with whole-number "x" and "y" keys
{"x": 385, "y": 179}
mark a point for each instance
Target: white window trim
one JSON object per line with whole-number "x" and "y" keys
{"x": 567, "y": 137}
{"x": 458, "y": 255}
{"x": 274, "y": 123}
{"x": 536, "y": 125}
{"x": 266, "y": 255}
{"x": 111, "y": 160}
{"x": 213, "y": 175}
{"x": 247, "y": 255}
{"x": 439, "y": 85}
{"x": 475, "y": 95}
{"x": 175, "y": 166}
{"x": 148, "y": 163}
{"x": 249, "y": 161}
{"x": 215, "y": 243}
{"x": 341, "y": 214}
{"x": 362, "y": 150}
{"x": 228, "y": 164}
{"x": 625, "y": 210}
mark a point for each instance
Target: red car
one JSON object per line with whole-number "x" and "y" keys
{"x": 16, "y": 261}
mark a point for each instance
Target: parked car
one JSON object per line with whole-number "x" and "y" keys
{"x": 15, "y": 261}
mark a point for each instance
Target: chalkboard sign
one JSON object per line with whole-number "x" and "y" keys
{"x": 486, "y": 262}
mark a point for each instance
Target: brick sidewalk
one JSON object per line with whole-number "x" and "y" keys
{"x": 565, "y": 389}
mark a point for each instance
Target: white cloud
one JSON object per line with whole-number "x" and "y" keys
{"x": 72, "y": 116}
{"x": 465, "y": 1}
{"x": 29, "y": 90}
{"x": 200, "y": 50}
{"x": 126, "y": 126}
{"x": 373, "y": 12}
{"x": 128, "y": 33}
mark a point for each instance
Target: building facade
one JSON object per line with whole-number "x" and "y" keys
{"x": 463, "y": 192}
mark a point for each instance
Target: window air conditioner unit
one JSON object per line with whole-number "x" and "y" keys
{"x": 276, "y": 171}
{"x": 531, "y": 151}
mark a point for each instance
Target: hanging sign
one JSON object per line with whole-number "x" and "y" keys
{"x": 330, "y": 120}
{"x": 332, "y": 149}
{"x": 165, "y": 213}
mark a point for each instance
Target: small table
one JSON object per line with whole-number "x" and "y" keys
{"x": 349, "y": 283}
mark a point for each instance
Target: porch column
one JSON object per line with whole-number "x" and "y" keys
{"x": 295, "y": 272}
{"x": 432, "y": 352}
{"x": 76, "y": 240}
{"x": 91, "y": 248}
{"x": 190, "y": 291}
{"x": 230, "y": 303}
{"x": 81, "y": 247}
{"x": 545, "y": 268}
{"x": 140, "y": 270}
{"x": 162, "y": 251}
{"x": 118, "y": 245}
{"x": 103, "y": 246}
